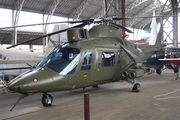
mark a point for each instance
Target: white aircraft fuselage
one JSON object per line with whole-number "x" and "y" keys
{"x": 14, "y": 58}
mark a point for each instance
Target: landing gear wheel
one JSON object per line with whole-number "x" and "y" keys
{"x": 95, "y": 86}
{"x": 176, "y": 70}
{"x": 47, "y": 100}
{"x": 136, "y": 87}
{"x": 158, "y": 71}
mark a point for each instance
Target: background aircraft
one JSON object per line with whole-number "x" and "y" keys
{"x": 165, "y": 58}
{"x": 171, "y": 60}
{"x": 13, "y": 61}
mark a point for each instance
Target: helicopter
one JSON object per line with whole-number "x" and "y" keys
{"x": 89, "y": 58}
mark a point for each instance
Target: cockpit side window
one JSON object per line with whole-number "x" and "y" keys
{"x": 2, "y": 57}
{"x": 108, "y": 59}
{"x": 86, "y": 64}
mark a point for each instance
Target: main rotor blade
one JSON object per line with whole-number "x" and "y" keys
{"x": 123, "y": 28}
{"x": 91, "y": 20}
{"x": 71, "y": 22}
{"x": 137, "y": 17}
{"x": 47, "y": 35}
{"x": 31, "y": 25}
{"x": 120, "y": 18}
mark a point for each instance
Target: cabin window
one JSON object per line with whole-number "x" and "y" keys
{"x": 108, "y": 59}
{"x": 86, "y": 63}
{"x": 2, "y": 57}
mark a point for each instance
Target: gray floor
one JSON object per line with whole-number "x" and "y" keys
{"x": 158, "y": 100}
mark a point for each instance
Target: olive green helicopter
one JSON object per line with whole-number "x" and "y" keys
{"x": 89, "y": 58}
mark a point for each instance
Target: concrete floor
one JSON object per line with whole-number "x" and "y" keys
{"x": 158, "y": 100}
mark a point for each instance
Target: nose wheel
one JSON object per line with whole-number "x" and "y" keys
{"x": 47, "y": 100}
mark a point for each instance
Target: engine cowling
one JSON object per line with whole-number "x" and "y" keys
{"x": 133, "y": 73}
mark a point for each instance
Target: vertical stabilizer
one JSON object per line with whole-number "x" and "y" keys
{"x": 158, "y": 41}
{"x": 58, "y": 39}
{"x": 153, "y": 34}
{"x": 149, "y": 50}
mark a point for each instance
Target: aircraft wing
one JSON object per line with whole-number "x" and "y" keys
{"x": 15, "y": 68}
{"x": 20, "y": 61}
{"x": 175, "y": 61}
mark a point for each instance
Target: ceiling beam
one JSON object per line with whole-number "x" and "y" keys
{"x": 134, "y": 4}
{"x": 17, "y": 7}
{"x": 141, "y": 13}
{"x": 51, "y": 7}
{"x": 78, "y": 11}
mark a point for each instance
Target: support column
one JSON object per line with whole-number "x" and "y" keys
{"x": 15, "y": 19}
{"x": 49, "y": 11}
{"x": 175, "y": 22}
{"x": 110, "y": 8}
{"x": 122, "y": 7}
{"x": 86, "y": 107}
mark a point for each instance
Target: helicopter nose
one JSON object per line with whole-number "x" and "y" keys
{"x": 9, "y": 89}
{"x": 12, "y": 87}
{"x": 15, "y": 85}
{"x": 35, "y": 81}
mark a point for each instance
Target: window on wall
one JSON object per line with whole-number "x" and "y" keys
{"x": 108, "y": 59}
{"x": 86, "y": 64}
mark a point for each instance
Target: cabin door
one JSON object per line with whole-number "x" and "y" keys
{"x": 84, "y": 73}
{"x": 106, "y": 64}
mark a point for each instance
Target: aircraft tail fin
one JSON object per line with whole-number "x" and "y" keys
{"x": 149, "y": 50}
{"x": 57, "y": 39}
{"x": 153, "y": 34}
{"x": 158, "y": 43}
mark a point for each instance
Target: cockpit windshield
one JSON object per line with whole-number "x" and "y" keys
{"x": 62, "y": 61}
